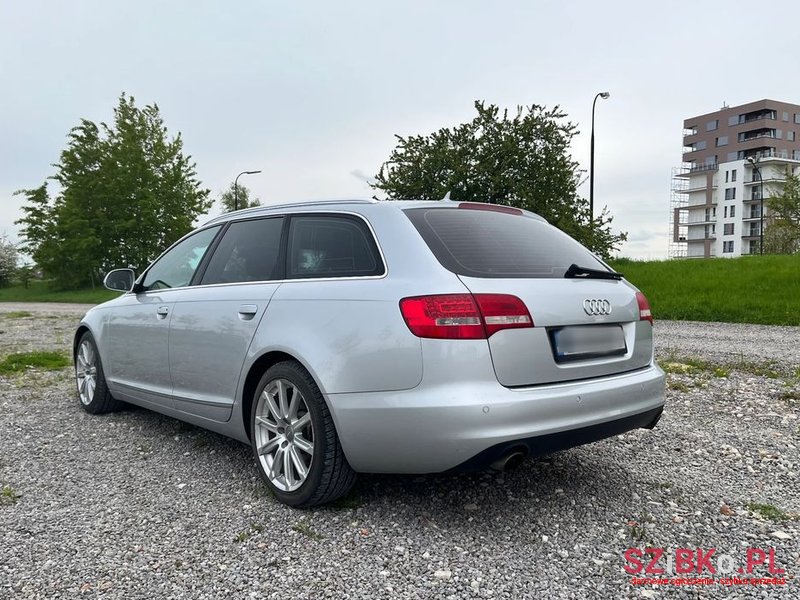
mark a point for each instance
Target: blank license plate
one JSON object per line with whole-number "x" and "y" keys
{"x": 590, "y": 341}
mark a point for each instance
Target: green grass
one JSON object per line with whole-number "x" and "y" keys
{"x": 22, "y": 361}
{"x": 305, "y": 529}
{"x": 690, "y": 365}
{"x": 750, "y": 289}
{"x": 40, "y": 291}
{"x": 768, "y": 511}
{"x": 16, "y": 314}
{"x": 8, "y": 495}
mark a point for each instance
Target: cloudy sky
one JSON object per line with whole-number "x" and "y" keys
{"x": 313, "y": 92}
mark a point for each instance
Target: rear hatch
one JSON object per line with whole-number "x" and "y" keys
{"x": 587, "y": 322}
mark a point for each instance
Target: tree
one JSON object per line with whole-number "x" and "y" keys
{"x": 126, "y": 193}
{"x": 782, "y": 231}
{"x": 228, "y": 198}
{"x": 8, "y": 260}
{"x": 519, "y": 160}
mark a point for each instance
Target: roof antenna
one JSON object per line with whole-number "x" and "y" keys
{"x": 446, "y": 196}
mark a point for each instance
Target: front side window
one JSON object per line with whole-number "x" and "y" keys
{"x": 322, "y": 246}
{"x": 177, "y": 265}
{"x": 248, "y": 251}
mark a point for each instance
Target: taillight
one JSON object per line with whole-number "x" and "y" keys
{"x": 463, "y": 316}
{"x": 503, "y": 311}
{"x": 644, "y": 308}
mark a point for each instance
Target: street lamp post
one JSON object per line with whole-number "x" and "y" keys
{"x": 602, "y": 95}
{"x": 754, "y": 163}
{"x": 236, "y": 187}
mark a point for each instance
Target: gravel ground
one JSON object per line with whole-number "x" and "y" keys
{"x": 136, "y": 505}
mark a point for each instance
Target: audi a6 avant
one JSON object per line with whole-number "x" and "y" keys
{"x": 380, "y": 337}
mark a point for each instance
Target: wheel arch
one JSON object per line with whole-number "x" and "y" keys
{"x": 82, "y": 328}
{"x": 256, "y": 372}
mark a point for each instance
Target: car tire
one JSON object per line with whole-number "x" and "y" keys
{"x": 93, "y": 391}
{"x": 294, "y": 439}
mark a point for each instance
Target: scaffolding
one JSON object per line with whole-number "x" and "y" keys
{"x": 678, "y": 215}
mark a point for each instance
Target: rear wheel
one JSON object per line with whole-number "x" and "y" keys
{"x": 91, "y": 382}
{"x": 294, "y": 439}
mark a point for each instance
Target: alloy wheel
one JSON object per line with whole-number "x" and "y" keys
{"x": 284, "y": 435}
{"x": 86, "y": 372}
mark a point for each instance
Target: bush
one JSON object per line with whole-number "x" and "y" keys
{"x": 8, "y": 261}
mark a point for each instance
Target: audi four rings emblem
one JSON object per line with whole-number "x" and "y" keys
{"x": 597, "y": 306}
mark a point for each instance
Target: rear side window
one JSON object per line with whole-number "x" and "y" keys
{"x": 331, "y": 246}
{"x": 486, "y": 243}
{"x": 248, "y": 251}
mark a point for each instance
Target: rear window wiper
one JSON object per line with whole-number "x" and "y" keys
{"x": 584, "y": 272}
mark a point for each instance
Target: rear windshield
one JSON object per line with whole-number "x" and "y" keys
{"x": 484, "y": 243}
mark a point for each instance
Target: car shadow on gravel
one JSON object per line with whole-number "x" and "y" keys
{"x": 568, "y": 474}
{"x": 545, "y": 481}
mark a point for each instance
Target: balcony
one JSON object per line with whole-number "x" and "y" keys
{"x": 692, "y": 168}
{"x": 758, "y": 115}
{"x": 755, "y": 196}
{"x": 698, "y": 188}
{"x": 757, "y": 134}
{"x": 765, "y": 153}
{"x": 700, "y": 233}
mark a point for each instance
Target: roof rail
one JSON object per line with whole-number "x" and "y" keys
{"x": 256, "y": 209}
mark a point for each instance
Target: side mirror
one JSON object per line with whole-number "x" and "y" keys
{"x": 120, "y": 280}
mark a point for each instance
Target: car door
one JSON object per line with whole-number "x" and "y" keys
{"x": 136, "y": 351}
{"x": 214, "y": 322}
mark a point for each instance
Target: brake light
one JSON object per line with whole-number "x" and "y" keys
{"x": 510, "y": 210}
{"x": 463, "y": 316}
{"x": 644, "y": 308}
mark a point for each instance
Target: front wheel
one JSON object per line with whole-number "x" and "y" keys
{"x": 90, "y": 380}
{"x": 294, "y": 439}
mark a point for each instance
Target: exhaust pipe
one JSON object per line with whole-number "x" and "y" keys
{"x": 510, "y": 461}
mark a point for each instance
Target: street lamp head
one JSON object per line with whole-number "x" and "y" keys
{"x": 604, "y": 95}
{"x": 251, "y": 172}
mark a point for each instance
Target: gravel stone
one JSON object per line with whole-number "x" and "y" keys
{"x": 134, "y": 505}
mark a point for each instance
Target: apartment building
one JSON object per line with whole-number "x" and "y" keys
{"x": 716, "y": 203}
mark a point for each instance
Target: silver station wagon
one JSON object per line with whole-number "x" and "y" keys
{"x": 377, "y": 337}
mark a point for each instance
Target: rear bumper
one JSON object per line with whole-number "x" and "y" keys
{"x": 553, "y": 442}
{"x": 442, "y": 427}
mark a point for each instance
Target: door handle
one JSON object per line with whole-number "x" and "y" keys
{"x": 248, "y": 309}
{"x": 162, "y": 311}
